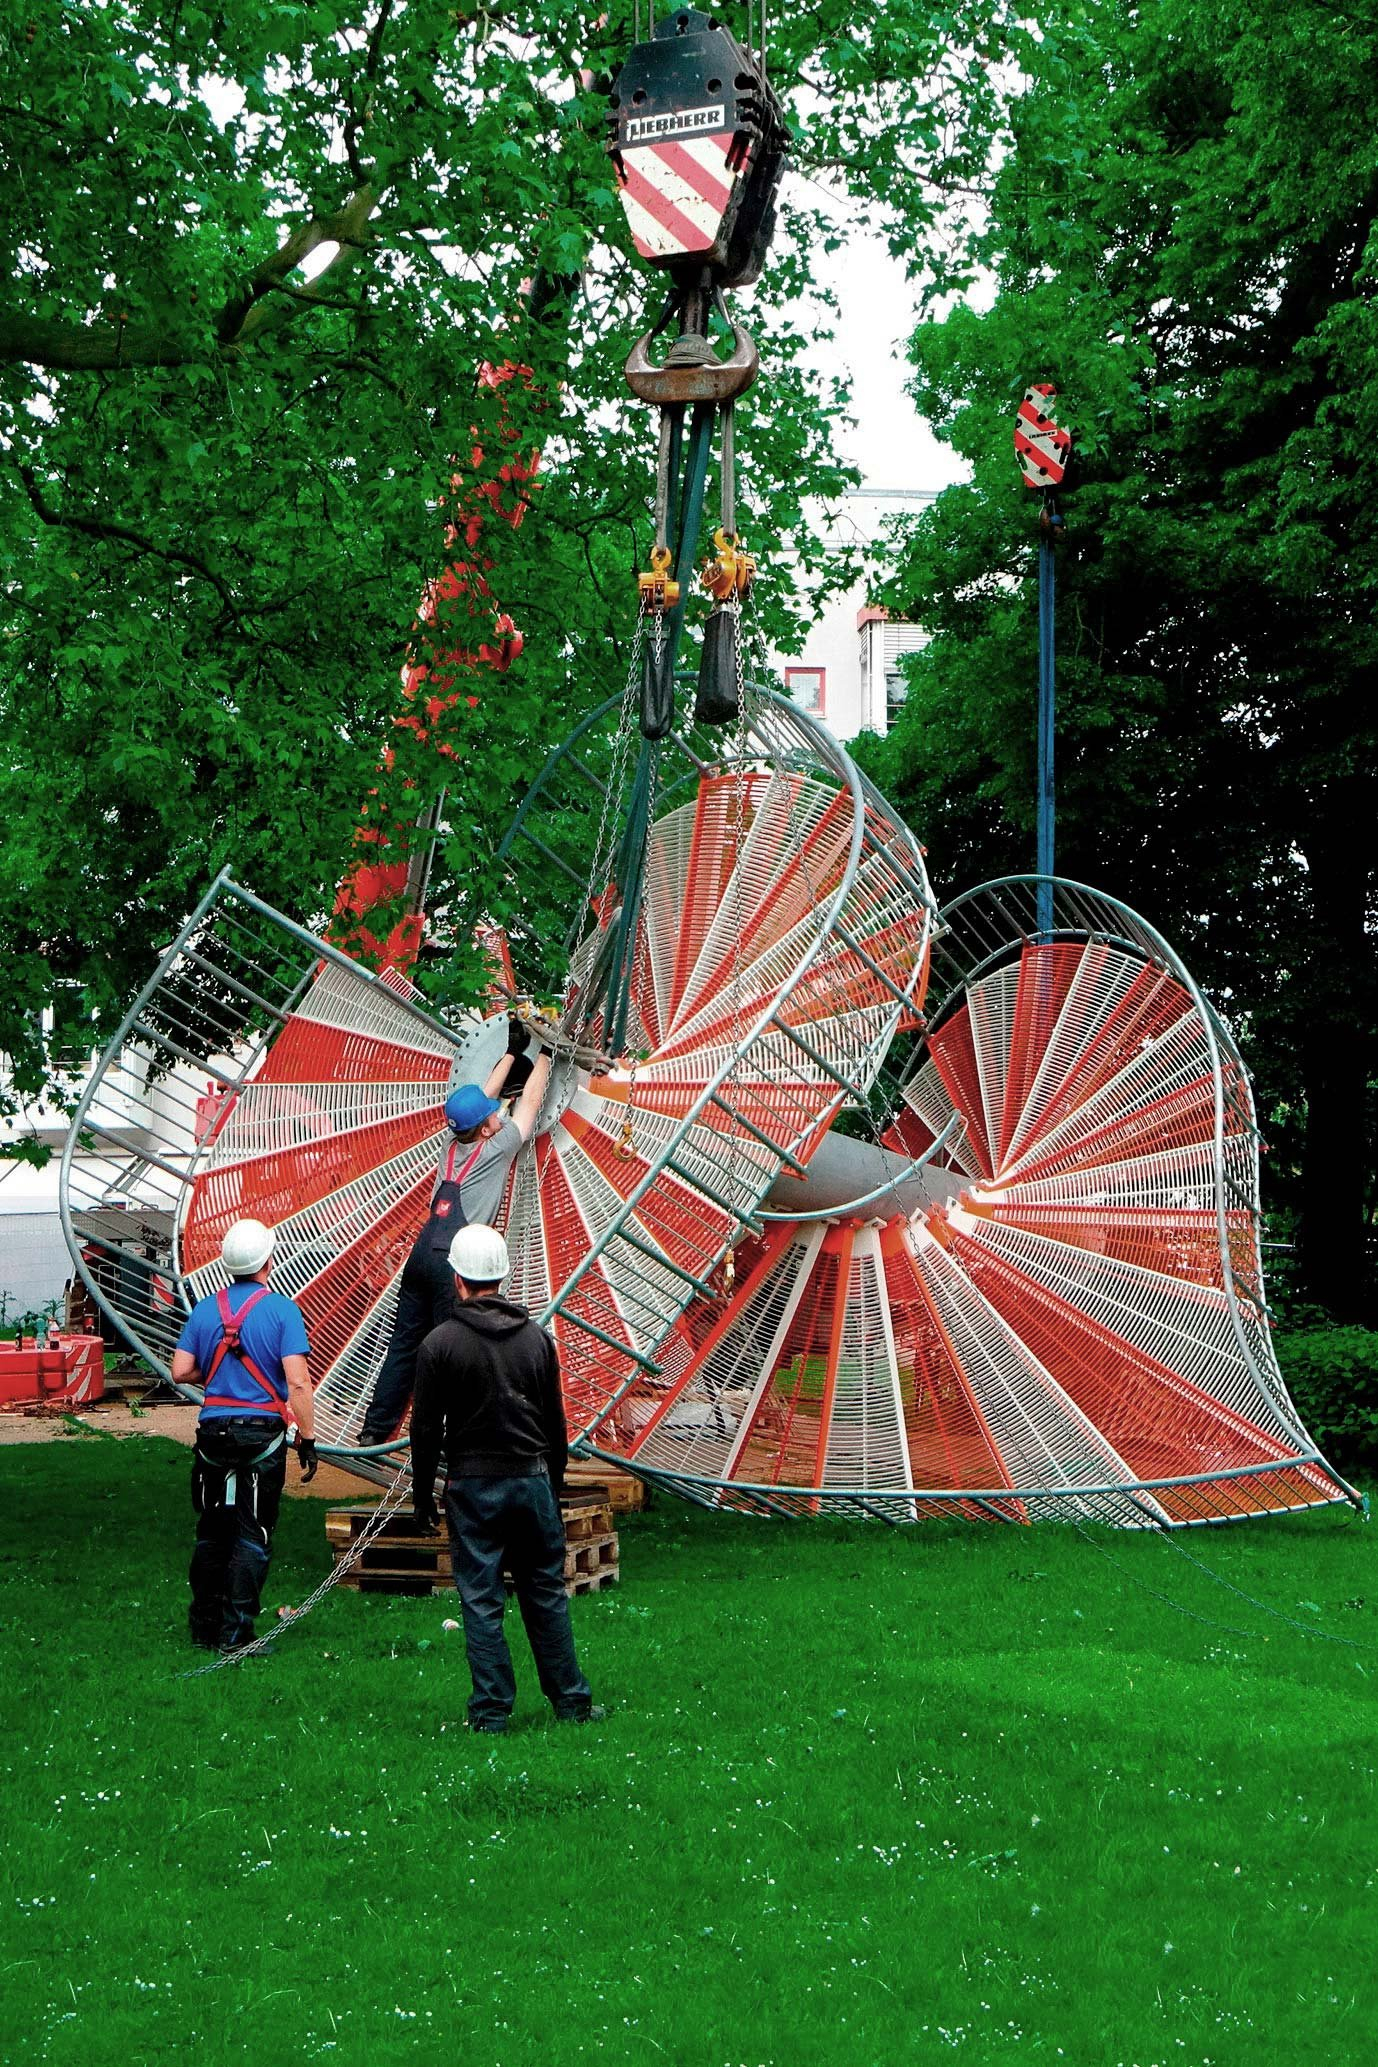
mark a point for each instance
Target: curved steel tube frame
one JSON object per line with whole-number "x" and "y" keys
{"x": 790, "y": 1502}
{"x": 818, "y": 748}
{"x": 320, "y": 950}
{"x": 1097, "y": 915}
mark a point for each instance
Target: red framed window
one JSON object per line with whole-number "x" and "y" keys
{"x": 808, "y": 687}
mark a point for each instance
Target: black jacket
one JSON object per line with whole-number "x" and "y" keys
{"x": 488, "y": 1396}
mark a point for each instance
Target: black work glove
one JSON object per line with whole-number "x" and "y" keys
{"x": 306, "y": 1458}
{"x": 423, "y": 1507}
{"x": 518, "y": 1039}
{"x": 517, "y": 1075}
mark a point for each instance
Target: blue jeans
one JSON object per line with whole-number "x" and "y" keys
{"x": 513, "y": 1522}
{"x": 238, "y": 1471}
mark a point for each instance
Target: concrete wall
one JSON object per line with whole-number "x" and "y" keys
{"x": 34, "y": 1264}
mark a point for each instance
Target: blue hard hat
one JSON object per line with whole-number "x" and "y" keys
{"x": 468, "y": 1107}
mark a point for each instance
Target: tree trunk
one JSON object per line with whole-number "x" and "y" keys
{"x": 1334, "y": 1032}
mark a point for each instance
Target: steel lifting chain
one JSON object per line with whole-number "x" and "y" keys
{"x": 740, "y": 785}
{"x": 626, "y": 1141}
{"x": 581, "y": 992}
{"x": 287, "y": 1619}
{"x": 695, "y": 392}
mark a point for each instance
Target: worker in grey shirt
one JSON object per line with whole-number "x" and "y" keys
{"x": 468, "y": 1191}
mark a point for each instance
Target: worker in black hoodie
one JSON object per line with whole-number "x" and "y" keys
{"x": 488, "y": 1397}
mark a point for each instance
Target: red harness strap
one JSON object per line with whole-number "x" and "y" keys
{"x": 469, "y": 1161}
{"x": 230, "y": 1345}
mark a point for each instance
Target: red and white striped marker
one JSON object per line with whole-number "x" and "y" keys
{"x": 676, "y": 193}
{"x": 1041, "y": 445}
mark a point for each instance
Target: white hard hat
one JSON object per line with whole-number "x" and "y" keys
{"x": 246, "y": 1248}
{"x": 478, "y": 1254}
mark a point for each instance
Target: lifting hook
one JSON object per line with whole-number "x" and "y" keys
{"x": 691, "y": 372}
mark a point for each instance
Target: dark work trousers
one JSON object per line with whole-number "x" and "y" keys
{"x": 237, "y": 1475}
{"x": 513, "y": 1522}
{"x": 425, "y": 1297}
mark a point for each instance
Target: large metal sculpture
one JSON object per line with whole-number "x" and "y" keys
{"x": 1041, "y": 1299}
{"x": 1039, "y": 1295}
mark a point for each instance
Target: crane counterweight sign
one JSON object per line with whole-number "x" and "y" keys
{"x": 1041, "y": 445}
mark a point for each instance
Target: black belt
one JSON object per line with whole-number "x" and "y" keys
{"x": 483, "y": 1464}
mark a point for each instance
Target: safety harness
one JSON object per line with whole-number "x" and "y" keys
{"x": 230, "y": 1345}
{"x": 441, "y": 1204}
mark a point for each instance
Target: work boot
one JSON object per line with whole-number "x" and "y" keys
{"x": 594, "y": 1713}
{"x": 245, "y": 1644}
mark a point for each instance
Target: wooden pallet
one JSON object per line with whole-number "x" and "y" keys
{"x": 583, "y": 1513}
{"x": 400, "y": 1559}
{"x": 623, "y": 1493}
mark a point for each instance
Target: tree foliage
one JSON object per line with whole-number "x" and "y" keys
{"x": 1182, "y": 238}
{"x": 255, "y": 254}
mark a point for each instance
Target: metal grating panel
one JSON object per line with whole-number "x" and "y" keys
{"x": 866, "y": 1446}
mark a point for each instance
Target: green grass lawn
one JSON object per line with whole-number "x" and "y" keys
{"x": 866, "y": 1797}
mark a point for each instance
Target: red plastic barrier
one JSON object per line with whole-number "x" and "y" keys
{"x": 70, "y": 1369}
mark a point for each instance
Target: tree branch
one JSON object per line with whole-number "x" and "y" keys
{"x": 84, "y": 348}
{"x": 80, "y": 348}
{"x": 101, "y": 527}
{"x": 355, "y": 121}
{"x": 244, "y": 319}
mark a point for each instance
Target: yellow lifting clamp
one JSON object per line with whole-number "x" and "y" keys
{"x": 626, "y": 1140}
{"x": 658, "y": 590}
{"x": 728, "y": 571}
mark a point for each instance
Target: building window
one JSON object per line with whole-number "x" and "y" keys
{"x": 896, "y": 689}
{"x": 70, "y": 1023}
{"x": 806, "y": 686}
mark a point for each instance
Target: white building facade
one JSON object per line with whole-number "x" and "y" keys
{"x": 846, "y": 669}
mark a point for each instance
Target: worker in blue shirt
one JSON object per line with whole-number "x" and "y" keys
{"x": 247, "y": 1348}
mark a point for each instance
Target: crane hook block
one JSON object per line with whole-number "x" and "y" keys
{"x": 697, "y": 139}
{"x": 658, "y": 590}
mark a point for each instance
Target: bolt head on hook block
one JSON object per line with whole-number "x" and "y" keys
{"x": 1042, "y": 446}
